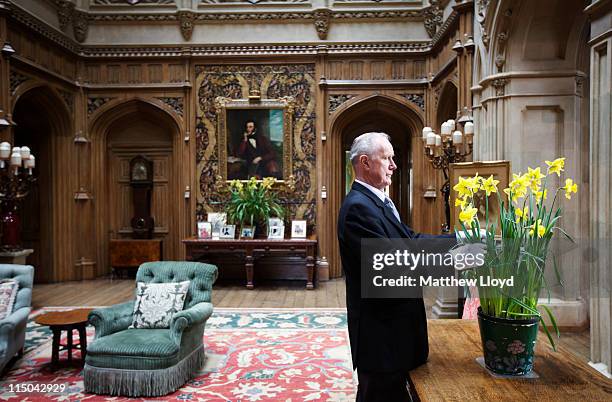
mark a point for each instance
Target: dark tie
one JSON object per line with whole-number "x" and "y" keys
{"x": 389, "y": 204}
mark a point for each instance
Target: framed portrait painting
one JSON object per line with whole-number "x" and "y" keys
{"x": 254, "y": 138}
{"x": 500, "y": 171}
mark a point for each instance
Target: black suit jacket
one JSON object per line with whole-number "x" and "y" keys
{"x": 385, "y": 334}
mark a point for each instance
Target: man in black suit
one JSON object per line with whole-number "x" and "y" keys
{"x": 388, "y": 336}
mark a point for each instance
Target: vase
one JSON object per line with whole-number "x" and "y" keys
{"x": 261, "y": 230}
{"x": 508, "y": 345}
{"x": 10, "y": 227}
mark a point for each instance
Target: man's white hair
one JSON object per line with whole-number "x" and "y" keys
{"x": 366, "y": 144}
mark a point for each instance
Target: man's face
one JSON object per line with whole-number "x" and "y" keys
{"x": 250, "y": 126}
{"x": 379, "y": 168}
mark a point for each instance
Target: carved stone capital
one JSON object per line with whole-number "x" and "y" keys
{"x": 186, "y": 20}
{"x": 500, "y": 86}
{"x": 80, "y": 25}
{"x": 322, "y": 19}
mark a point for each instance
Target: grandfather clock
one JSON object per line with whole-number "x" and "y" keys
{"x": 141, "y": 181}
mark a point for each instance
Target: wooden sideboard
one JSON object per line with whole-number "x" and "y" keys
{"x": 198, "y": 249}
{"x": 130, "y": 253}
{"x": 452, "y": 374}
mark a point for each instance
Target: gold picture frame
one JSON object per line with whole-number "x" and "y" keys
{"x": 500, "y": 171}
{"x": 234, "y": 114}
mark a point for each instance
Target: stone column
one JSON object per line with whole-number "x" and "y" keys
{"x": 600, "y": 178}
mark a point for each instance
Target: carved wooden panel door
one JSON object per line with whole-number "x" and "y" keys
{"x": 120, "y": 204}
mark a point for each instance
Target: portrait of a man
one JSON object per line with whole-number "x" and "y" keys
{"x": 256, "y": 143}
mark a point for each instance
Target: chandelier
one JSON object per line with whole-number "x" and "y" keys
{"x": 450, "y": 146}
{"x": 16, "y": 179}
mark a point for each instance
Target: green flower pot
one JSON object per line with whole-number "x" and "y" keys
{"x": 508, "y": 345}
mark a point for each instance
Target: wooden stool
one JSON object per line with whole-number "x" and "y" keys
{"x": 68, "y": 321}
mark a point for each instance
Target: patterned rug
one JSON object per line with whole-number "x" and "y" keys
{"x": 251, "y": 355}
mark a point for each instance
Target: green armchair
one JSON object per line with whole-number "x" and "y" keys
{"x": 151, "y": 362}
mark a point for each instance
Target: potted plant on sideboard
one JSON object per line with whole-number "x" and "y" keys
{"x": 509, "y": 317}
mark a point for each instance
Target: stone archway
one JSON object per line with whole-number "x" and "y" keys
{"x": 43, "y": 123}
{"x": 373, "y": 113}
{"x": 120, "y": 131}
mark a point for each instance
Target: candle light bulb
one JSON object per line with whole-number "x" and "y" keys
{"x": 446, "y": 128}
{"x": 452, "y": 124}
{"x": 438, "y": 140}
{"x": 5, "y": 150}
{"x": 469, "y": 127}
{"x": 431, "y": 138}
{"x": 16, "y": 158}
{"x": 32, "y": 162}
{"x": 25, "y": 152}
{"x": 425, "y": 131}
{"x": 457, "y": 137}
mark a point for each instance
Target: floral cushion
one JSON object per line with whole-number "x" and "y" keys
{"x": 8, "y": 293}
{"x": 156, "y": 303}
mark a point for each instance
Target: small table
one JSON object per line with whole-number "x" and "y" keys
{"x": 251, "y": 248}
{"x": 68, "y": 321}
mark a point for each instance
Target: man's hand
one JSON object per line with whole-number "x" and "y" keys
{"x": 245, "y": 136}
{"x": 256, "y": 160}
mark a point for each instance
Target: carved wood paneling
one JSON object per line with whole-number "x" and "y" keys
{"x": 274, "y": 81}
{"x": 134, "y": 73}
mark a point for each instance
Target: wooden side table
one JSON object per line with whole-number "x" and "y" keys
{"x": 68, "y": 321}
{"x": 130, "y": 253}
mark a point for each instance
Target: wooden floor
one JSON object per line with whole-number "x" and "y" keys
{"x": 283, "y": 294}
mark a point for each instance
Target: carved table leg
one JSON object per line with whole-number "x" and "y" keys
{"x": 310, "y": 268}
{"x": 249, "y": 269}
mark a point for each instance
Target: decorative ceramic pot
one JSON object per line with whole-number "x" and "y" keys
{"x": 508, "y": 345}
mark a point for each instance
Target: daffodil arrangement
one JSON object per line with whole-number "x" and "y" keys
{"x": 527, "y": 225}
{"x": 253, "y": 201}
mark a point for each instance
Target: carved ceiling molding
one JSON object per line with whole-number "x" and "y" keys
{"x": 321, "y": 22}
{"x": 310, "y": 49}
{"x": 132, "y": 2}
{"x": 43, "y": 29}
{"x": 433, "y": 17}
{"x": 80, "y": 25}
{"x": 258, "y": 16}
{"x": 68, "y": 98}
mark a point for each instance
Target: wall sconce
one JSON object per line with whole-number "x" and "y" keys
{"x": 7, "y": 50}
{"x": 323, "y": 192}
{"x": 458, "y": 46}
{"x": 323, "y": 136}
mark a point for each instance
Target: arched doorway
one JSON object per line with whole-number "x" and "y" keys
{"x": 43, "y": 124}
{"x": 403, "y": 122}
{"x": 120, "y": 132}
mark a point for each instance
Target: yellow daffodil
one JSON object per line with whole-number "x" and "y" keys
{"x": 490, "y": 185}
{"x": 556, "y": 166}
{"x": 541, "y": 229}
{"x": 522, "y": 214}
{"x": 570, "y": 187}
{"x": 467, "y": 214}
{"x": 540, "y": 196}
{"x": 535, "y": 178}
{"x": 460, "y": 202}
{"x": 268, "y": 182}
{"x": 463, "y": 188}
